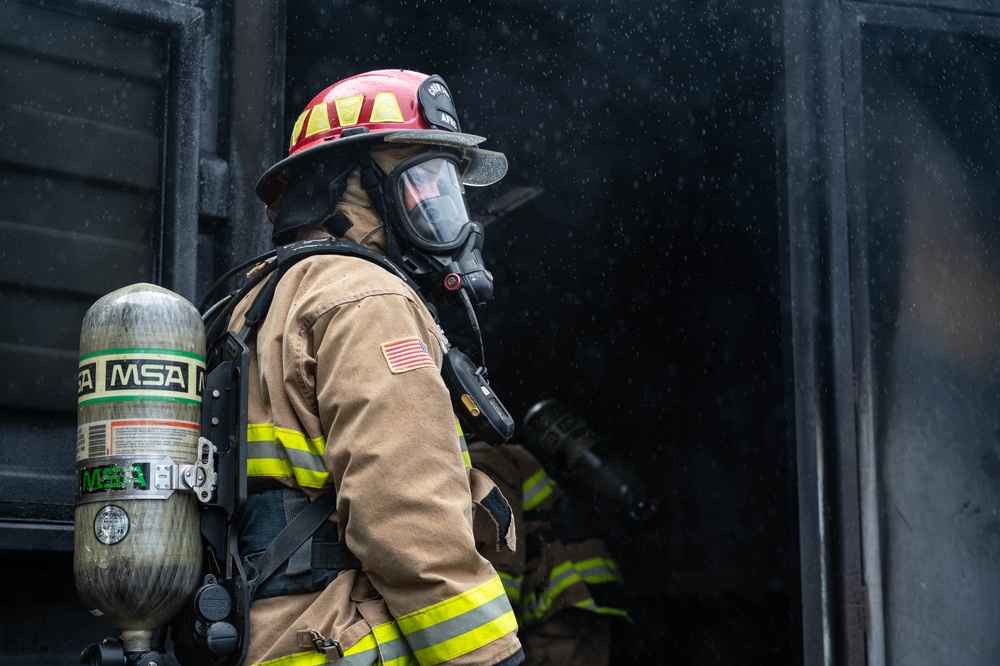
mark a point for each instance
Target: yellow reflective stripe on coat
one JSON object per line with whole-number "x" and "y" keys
{"x": 466, "y": 458}
{"x": 511, "y": 585}
{"x": 459, "y": 625}
{"x": 311, "y": 658}
{"x": 591, "y": 605}
{"x": 593, "y": 571}
{"x": 562, "y": 577}
{"x": 384, "y": 644}
{"x": 281, "y": 452}
{"x": 536, "y": 489}
{"x": 598, "y": 570}
{"x": 393, "y": 646}
{"x": 314, "y": 658}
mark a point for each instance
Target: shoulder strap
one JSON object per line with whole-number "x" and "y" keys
{"x": 292, "y": 253}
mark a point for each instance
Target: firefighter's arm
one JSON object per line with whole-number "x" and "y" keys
{"x": 403, "y": 493}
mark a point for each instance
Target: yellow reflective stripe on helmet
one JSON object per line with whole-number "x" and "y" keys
{"x": 466, "y": 458}
{"x": 536, "y": 489}
{"x": 349, "y": 109}
{"x": 297, "y": 129}
{"x": 319, "y": 120}
{"x": 280, "y": 452}
{"x": 385, "y": 109}
{"x": 460, "y": 624}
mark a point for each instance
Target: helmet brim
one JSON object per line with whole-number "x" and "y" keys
{"x": 485, "y": 167}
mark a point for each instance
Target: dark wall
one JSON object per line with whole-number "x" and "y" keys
{"x": 641, "y": 286}
{"x": 124, "y": 126}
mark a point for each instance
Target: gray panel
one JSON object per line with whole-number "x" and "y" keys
{"x": 67, "y": 205}
{"x": 72, "y": 263}
{"x": 39, "y": 352}
{"x": 80, "y": 39}
{"x": 38, "y": 378}
{"x": 66, "y": 145}
{"x": 57, "y": 314}
{"x": 113, "y": 98}
{"x": 35, "y": 535}
{"x": 37, "y": 454}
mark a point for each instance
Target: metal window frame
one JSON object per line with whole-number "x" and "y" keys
{"x": 977, "y": 7}
{"x": 856, "y": 17}
{"x": 824, "y": 266}
{"x": 815, "y": 284}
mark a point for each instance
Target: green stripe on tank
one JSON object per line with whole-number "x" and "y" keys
{"x": 143, "y": 350}
{"x": 133, "y": 398}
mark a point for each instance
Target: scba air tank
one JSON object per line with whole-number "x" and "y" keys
{"x": 138, "y": 555}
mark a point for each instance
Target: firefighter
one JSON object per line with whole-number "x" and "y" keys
{"x": 564, "y": 584}
{"x": 346, "y": 393}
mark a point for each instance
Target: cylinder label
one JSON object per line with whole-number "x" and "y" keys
{"x": 140, "y": 374}
{"x": 143, "y": 437}
{"x": 110, "y": 526}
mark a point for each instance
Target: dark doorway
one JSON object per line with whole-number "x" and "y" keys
{"x": 641, "y": 286}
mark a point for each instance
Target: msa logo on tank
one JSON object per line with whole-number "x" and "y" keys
{"x": 140, "y": 374}
{"x": 112, "y": 477}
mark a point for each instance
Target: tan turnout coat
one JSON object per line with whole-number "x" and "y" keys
{"x": 330, "y": 404}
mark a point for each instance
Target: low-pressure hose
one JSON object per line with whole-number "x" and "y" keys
{"x": 474, "y": 324}
{"x": 207, "y": 299}
{"x": 216, "y": 317}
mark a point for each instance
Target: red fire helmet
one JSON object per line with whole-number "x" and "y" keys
{"x": 390, "y": 105}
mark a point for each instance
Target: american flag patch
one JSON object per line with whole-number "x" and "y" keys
{"x": 406, "y": 354}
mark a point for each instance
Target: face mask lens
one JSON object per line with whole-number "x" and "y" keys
{"x": 433, "y": 204}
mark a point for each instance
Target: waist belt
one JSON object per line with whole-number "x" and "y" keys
{"x": 288, "y": 546}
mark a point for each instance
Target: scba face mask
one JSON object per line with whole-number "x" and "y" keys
{"x": 433, "y": 202}
{"x": 443, "y": 246}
